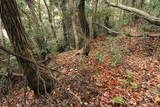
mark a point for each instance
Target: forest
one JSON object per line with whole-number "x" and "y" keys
{"x": 79, "y": 53}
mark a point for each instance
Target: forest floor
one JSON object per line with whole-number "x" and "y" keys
{"x": 120, "y": 71}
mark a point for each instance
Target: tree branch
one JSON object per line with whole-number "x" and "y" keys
{"x": 14, "y": 54}
{"x": 103, "y": 26}
{"x": 152, "y": 19}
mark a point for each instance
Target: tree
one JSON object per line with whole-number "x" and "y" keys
{"x": 133, "y": 3}
{"x": 152, "y": 19}
{"x": 40, "y": 35}
{"x": 73, "y": 18}
{"x": 93, "y": 19}
{"x": 1, "y": 33}
{"x": 65, "y": 22}
{"x": 39, "y": 80}
{"x": 142, "y": 3}
{"x": 84, "y": 26}
{"x": 50, "y": 15}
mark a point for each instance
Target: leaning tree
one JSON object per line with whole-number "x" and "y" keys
{"x": 152, "y": 19}
{"x": 39, "y": 80}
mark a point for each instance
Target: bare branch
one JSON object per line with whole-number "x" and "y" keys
{"x": 110, "y": 30}
{"x": 152, "y": 19}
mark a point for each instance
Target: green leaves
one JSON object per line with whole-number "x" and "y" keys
{"x": 129, "y": 80}
{"x": 98, "y": 57}
{"x": 118, "y": 99}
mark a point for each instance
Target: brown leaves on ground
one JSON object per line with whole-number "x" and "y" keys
{"x": 96, "y": 82}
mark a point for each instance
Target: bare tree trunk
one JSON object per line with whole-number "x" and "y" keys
{"x": 1, "y": 33}
{"x": 142, "y": 3}
{"x": 96, "y": 6}
{"x": 84, "y": 26}
{"x": 29, "y": 19}
{"x": 93, "y": 27}
{"x": 133, "y": 3}
{"x": 39, "y": 80}
{"x": 49, "y": 12}
{"x": 152, "y": 19}
{"x": 73, "y": 16}
{"x": 39, "y": 11}
{"x": 65, "y": 23}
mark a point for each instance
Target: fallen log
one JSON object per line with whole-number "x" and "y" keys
{"x": 143, "y": 35}
{"x": 152, "y": 19}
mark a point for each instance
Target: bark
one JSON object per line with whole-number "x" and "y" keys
{"x": 40, "y": 11}
{"x": 1, "y": 33}
{"x": 49, "y": 12}
{"x": 73, "y": 16}
{"x": 65, "y": 24}
{"x": 93, "y": 28}
{"x": 142, "y": 3}
{"x": 133, "y": 3}
{"x": 152, "y": 19}
{"x": 29, "y": 19}
{"x": 38, "y": 79}
{"x": 84, "y": 26}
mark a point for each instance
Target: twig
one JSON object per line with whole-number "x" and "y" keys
{"x": 110, "y": 30}
{"x": 15, "y": 54}
{"x": 79, "y": 99}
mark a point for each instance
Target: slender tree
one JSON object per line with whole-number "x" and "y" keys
{"x": 74, "y": 16}
{"x": 39, "y": 80}
{"x": 142, "y": 3}
{"x": 133, "y": 3}
{"x": 93, "y": 19}
{"x": 84, "y": 26}
{"x": 49, "y": 12}
{"x": 65, "y": 22}
{"x": 1, "y": 33}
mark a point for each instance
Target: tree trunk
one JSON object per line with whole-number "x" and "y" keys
{"x": 84, "y": 26}
{"x": 39, "y": 11}
{"x": 73, "y": 16}
{"x": 49, "y": 12}
{"x": 142, "y": 3}
{"x": 92, "y": 26}
{"x": 65, "y": 24}
{"x": 1, "y": 33}
{"x": 38, "y": 80}
{"x": 133, "y": 3}
{"x": 152, "y": 19}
